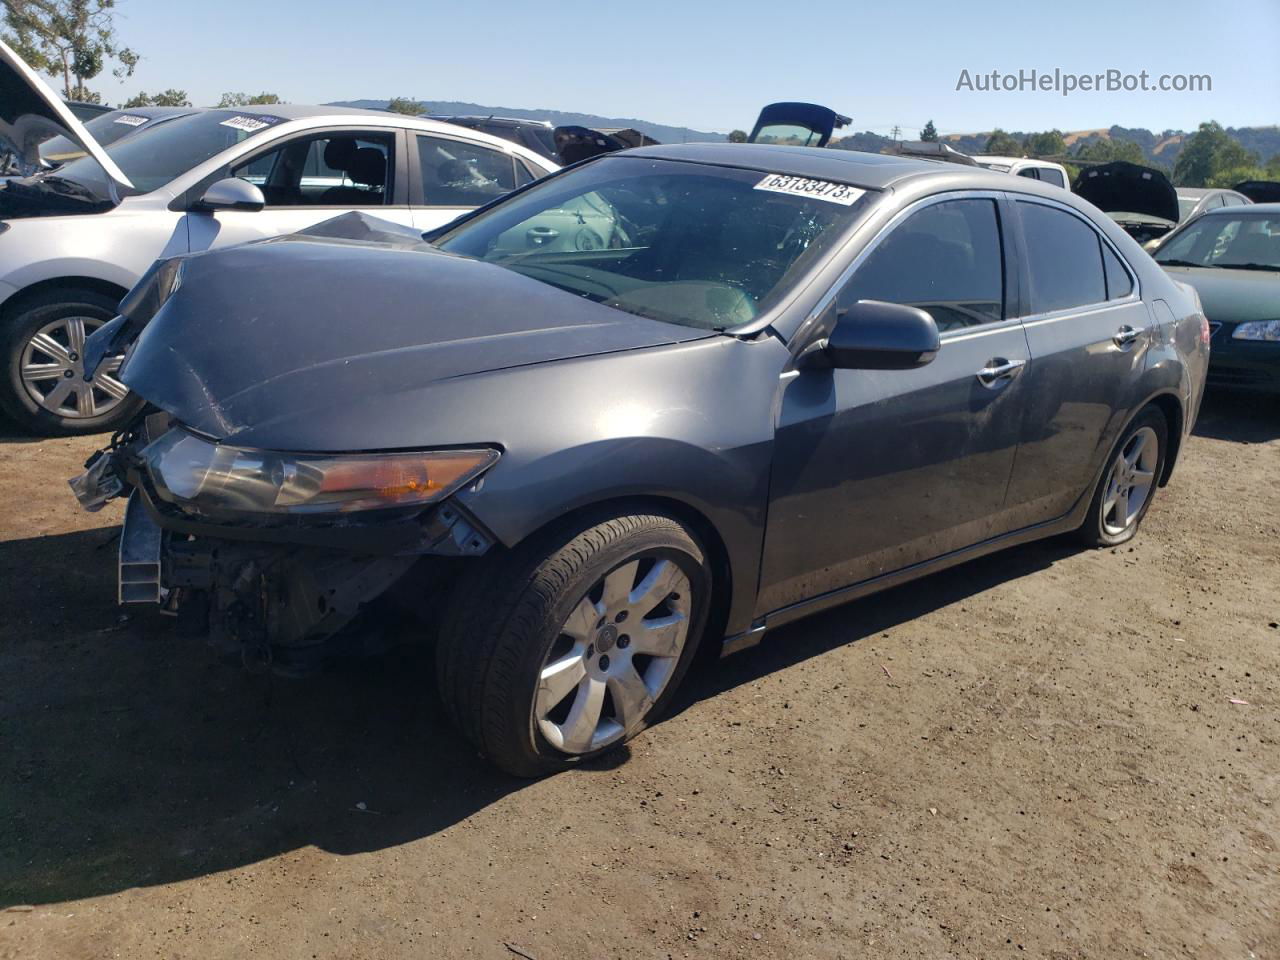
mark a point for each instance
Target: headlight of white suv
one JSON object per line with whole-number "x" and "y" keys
{"x": 220, "y": 478}
{"x": 1257, "y": 330}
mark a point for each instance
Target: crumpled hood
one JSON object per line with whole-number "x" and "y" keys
{"x": 273, "y": 329}
{"x": 1233, "y": 296}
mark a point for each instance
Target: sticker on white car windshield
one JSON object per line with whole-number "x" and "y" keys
{"x": 129, "y": 120}
{"x": 840, "y": 193}
{"x": 250, "y": 124}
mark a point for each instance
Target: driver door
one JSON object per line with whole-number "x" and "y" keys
{"x": 308, "y": 179}
{"x": 875, "y": 471}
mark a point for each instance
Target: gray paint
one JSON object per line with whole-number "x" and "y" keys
{"x": 820, "y": 484}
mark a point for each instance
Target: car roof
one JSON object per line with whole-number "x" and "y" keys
{"x": 1247, "y": 209}
{"x": 300, "y": 111}
{"x": 1199, "y": 191}
{"x": 875, "y": 171}
{"x": 996, "y": 158}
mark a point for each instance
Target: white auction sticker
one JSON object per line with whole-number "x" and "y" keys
{"x": 247, "y": 124}
{"x": 840, "y": 193}
{"x": 129, "y": 120}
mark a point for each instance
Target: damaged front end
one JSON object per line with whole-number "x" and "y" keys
{"x": 272, "y": 555}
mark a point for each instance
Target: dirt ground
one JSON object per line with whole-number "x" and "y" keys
{"x": 1034, "y": 755}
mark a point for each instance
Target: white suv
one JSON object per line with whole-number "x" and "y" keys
{"x": 74, "y": 240}
{"x": 1045, "y": 170}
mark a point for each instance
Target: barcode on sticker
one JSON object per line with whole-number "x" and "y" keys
{"x": 840, "y": 193}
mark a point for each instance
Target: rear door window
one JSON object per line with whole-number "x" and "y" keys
{"x": 945, "y": 259}
{"x": 1063, "y": 257}
{"x": 460, "y": 174}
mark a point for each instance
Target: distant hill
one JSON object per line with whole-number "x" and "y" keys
{"x": 658, "y": 131}
{"x": 1160, "y": 148}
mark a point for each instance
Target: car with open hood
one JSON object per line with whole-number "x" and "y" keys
{"x": 1231, "y": 256}
{"x": 74, "y": 239}
{"x": 1141, "y": 199}
{"x": 787, "y": 377}
{"x": 796, "y": 123}
{"x": 565, "y": 144}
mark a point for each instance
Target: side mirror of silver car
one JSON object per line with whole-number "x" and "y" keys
{"x": 233, "y": 193}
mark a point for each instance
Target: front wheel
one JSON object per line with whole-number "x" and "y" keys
{"x": 44, "y": 389}
{"x": 1128, "y": 484}
{"x": 570, "y": 646}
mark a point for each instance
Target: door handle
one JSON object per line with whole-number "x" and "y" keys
{"x": 999, "y": 369}
{"x": 1125, "y": 336}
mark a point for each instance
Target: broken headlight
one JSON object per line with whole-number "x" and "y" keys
{"x": 220, "y": 478}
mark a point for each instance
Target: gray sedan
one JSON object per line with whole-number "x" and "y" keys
{"x": 670, "y": 398}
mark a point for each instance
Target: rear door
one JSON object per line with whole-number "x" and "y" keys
{"x": 1089, "y": 333}
{"x": 875, "y": 471}
{"x": 453, "y": 175}
{"x": 311, "y": 177}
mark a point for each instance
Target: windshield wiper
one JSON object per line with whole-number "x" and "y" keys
{"x": 1246, "y": 266}
{"x": 1178, "y": 263}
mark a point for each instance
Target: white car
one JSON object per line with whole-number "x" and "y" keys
{"x": 74, "y": 240}
{"x": 1044, "y": 170}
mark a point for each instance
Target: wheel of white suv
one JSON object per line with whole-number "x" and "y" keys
{"x": 571, "y": 645}
{"x": 44, "y": 389}
{"x": 1129, "y": 482}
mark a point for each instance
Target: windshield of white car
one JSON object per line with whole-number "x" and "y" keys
{"x": 106, "y": 128}
{"x": 1245, "y": 242}
{"x": 155, "y": 156}
{"x": 1186, "y": 205}
{"x": 693, "y": 244}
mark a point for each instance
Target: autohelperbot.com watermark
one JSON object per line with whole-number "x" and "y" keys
{"x": 1065, "y": 82}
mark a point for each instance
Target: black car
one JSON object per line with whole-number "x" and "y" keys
{"x": 741, "y": 384}
{"x": 1231, "y": 256}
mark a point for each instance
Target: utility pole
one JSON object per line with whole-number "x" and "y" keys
{"x": 896, "y": 133}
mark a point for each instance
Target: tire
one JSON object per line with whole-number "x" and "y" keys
{"x": 554, "y": 609}
{"x": 33, "y": 405}
{"x": 1102, "y": 525}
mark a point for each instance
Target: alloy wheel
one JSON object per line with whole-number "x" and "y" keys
{"x": 1130, "y": 481}
{"x": 52, "y": 371}
{"x": 614, "y": 655}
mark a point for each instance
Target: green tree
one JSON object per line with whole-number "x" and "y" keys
{"x": 1047, "y": 144}
{"x": 1109, "y": 150}
{"x": 1233, "y": 175}
{"x": 71, "y": 39}
{"x": 406, "y": 105}
{"x": 737, "y": 136}
{"x": 247, "y": 100}
{"x": 1001, "y": 144}
{"x": 169, "y": 98}
{"x": 1209, "y": 151}
{"x": 929, "y": 133}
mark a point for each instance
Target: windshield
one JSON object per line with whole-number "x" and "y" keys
{"x": 1186, "y": 205}
{"x": 106, "y": 128}
{"x": 1250, "y": 242}
{"x": 693, "y": 244}
{"x": 167, "y": 150}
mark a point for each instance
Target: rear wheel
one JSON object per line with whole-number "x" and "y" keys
{"x": 570, "y": 646}
{"x": 44, "y": 389}
{"x": 1128, "y": 484}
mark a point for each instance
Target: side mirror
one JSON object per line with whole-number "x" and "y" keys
{"x": 874, "y": 335}
{"x": 232, "y": 193}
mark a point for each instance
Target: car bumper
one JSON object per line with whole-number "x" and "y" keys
{"x": 1252, "y": 365}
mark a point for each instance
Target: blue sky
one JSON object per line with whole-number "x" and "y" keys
{"x": 712, "y": 65}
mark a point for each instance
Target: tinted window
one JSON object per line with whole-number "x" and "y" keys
{"x": 1119, "y": 283}
{"x": 1049, "y": 175}
{"x": 945, "y": 259}
{"x": 332, "y": 170}
{"x": 1030, "y": 173}
{"x": 458, "y": 174}
{"x": 688, "y": 243}
{"x": 1062, "y": 255}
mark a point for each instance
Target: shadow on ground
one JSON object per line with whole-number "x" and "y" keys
{"x": 133, "y": 758}
{"x": 1239, "y": 417}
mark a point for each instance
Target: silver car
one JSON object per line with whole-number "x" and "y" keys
{"x": 74, "y": 240}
